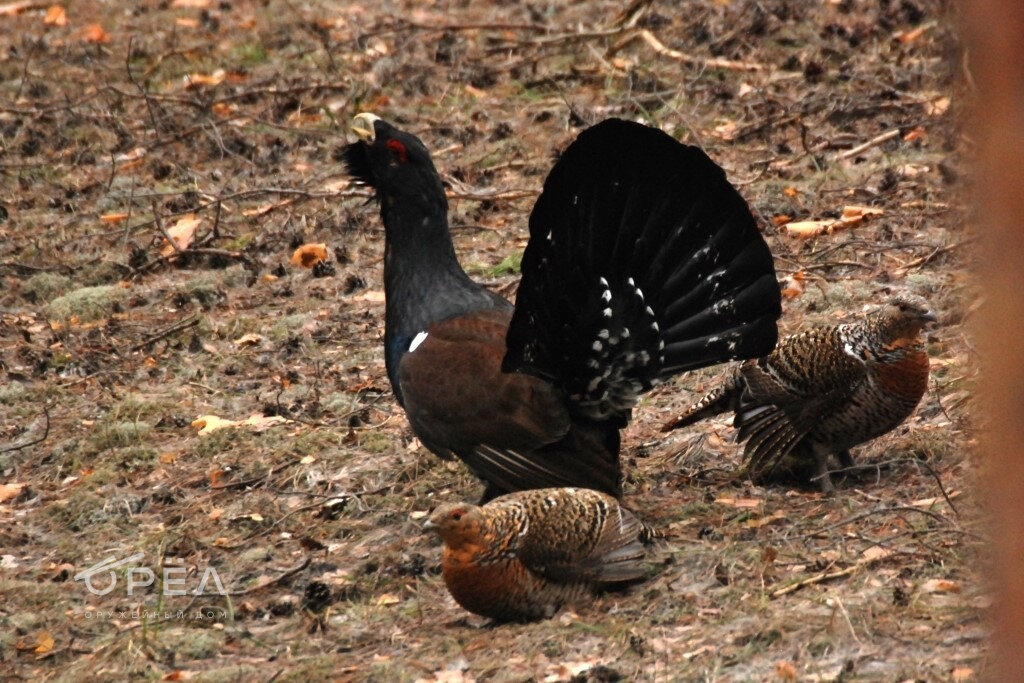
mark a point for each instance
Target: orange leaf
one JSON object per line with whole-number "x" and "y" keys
{"x": 94, "y": 33}
{"x": 374, "y": 295}
{"x": 113, "y": 217}
{"x": 308, "y": 255}
{"x": 941, "y": 586}
{"x": 785, "y": 670}
{"x": 182, "y": 233}
{"x": 9, "y": 491}
{"x": 794, "y": 286}
{"x": 807, "y": 229}
{"x": 907, "y": 37}
{"x": 203, "y": 80}
{"x": 790, "y": 192}
{"x": 740, "y": 502}
{"x": 855, "y": 211}
{"x": 916, "y": 134}
{"x": 56, "y": 16}
{"x": 44, "y": 642}
{"x": 781, "y": 219}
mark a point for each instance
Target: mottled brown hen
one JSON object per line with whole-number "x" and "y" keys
{"x": 825, "y": 390}
{"x": 523, "y": 555}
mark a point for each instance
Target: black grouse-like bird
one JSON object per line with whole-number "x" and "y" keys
{"x": 643, "y": 262}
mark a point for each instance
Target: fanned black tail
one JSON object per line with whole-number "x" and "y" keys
{"x": 643, "y": 262}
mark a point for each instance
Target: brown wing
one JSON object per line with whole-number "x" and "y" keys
{"x": 575, "y": 535}
{"x": 806, "y": 378}
{"x": 458, "y": 399}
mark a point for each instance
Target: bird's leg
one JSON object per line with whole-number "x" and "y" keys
{"x": 821, "y": 471}
{"x": 846, "y": 460}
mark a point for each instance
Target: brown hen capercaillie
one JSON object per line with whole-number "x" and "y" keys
{"x": 825, "y": 390}
{"x": 523, "y": 555}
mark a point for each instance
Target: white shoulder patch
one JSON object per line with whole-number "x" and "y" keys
{"x": 416, "y": 341}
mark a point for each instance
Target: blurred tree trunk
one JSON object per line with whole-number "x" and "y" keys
{"x": 995, "y": 40}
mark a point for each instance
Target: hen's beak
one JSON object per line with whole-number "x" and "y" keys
{"x": 429, "y": 526}
{"x": 362, "y": 126}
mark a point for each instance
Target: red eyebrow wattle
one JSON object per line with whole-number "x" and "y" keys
{"x": 399, "y": 149}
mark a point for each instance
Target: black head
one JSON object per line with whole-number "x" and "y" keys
{"x": 390, "y": 160}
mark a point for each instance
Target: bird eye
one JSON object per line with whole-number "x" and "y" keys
{"x": 398, "y": 150}
{"x": 457, "y": 515}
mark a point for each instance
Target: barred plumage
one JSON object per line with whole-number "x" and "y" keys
{"x": 825, "y": 390}
{"x": 523, "y": 555}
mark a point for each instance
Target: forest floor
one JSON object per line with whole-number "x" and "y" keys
{"x": 220, "y": 123}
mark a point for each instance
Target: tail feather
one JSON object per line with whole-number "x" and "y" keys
{"x": 643, "y": 262}
{"x": 719, "y": 400}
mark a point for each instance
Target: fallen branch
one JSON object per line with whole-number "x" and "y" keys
{"x": 873, "y": 142}
{"x": 277, "y": 579}
{"x": 46, "y": 433}
{"x": 178, "y": 327}
{"x": 665, "y": 51}
{"x": 825, "y": 576}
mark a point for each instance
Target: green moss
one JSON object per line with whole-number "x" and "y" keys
{"x": 12, "y": 392}
{"x": 87, "y": 303}
{"x": 45, "y": 286}
{"x": 249, "y": 54}
{"x": 122, "y": 433}
{"x": 192, "y": 644}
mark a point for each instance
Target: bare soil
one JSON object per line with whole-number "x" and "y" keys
{"x": 129, "y": 117}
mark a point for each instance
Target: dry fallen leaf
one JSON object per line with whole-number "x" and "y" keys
{"x": 41, "y": 642}
{"x": 182, "y": 232}
{"x": 113, "y": 217}
{"x": 388, "y": 599}
{"x": 740, "y": 502}
{"x": 875, "y": 553}
{"x": 308, "y": 255}
{"x": 94, "y": 33}
{"x": 726, "y": 131}
{"x": 937, "y": 107}
{"x": 785, "y": 671}
{"x": 192, "y": 4}
{"x": 856, "y": 211}
{"x": 10, "y": 491}
{"x": 907, "y": 37}
{"x": 376, "y": 296}
{"x": 916, "y": 134}
{"x": 794, "y": 285}
{"x": 912, "y": 170}
{"x": 56, "y": 16}
{"x": 193, "y": 81}
{"x": 211, "y": 423}
{"x": 251, "y": 339}
{"x": 808, "y": 229}
{"x": 940, "y": 586}
{"x": 962, "y": 673}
